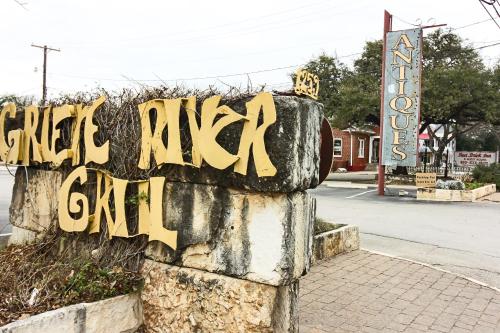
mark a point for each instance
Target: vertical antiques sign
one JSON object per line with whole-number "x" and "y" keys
{"x": 401, "y": 106}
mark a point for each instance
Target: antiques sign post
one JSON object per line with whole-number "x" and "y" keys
{"x": 400, "y": 98}
{"x": 401, "y": 103}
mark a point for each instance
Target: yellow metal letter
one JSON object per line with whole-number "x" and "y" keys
{"x": 47, "y": 153}
{"x": 59, "y": 114}
{"x": 167, "y": 112}
{"x": 157, "y": 231}
{"x": 254, "y": 136}
{"x": 81, "y": 113}
{"x": 30, "y": 125}
{"x": 119, "y": 228}
{"x": 99, "y": 155}
{"x": 66, "y": 222}
{"x": 190, "y": 107}
{"x": 10, "y": 150}
{"x": 102, "y": 202}
{"x": 211, "y": 151}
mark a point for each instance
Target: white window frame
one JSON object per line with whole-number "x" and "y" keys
{"x": 341, "y": 146}
{"x": 361, "y": 152}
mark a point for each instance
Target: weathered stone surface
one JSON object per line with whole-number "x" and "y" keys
{"x": 34, "y": 199}
{"x": 292, "y": 144}
{"x": 263, "y": 238}
{"x": 188, "y": 300}
{"x": 260, "y": 237}
{"x": 22, "y": 236}
{"x": 342, "y": 240}
{"x": 115, "y": 315}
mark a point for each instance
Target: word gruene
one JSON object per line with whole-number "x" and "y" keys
{"x": 23, "y": 145}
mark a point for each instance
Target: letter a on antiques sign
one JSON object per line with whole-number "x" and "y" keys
{"x": 402, "y": 97}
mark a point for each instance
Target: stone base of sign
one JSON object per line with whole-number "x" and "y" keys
{"x": 4, "y": 240}
{"x": 34, "y": 199}
{"x": 179, "y": 299}
{"x": 261, "y": 237}
{"x": 264, "y": 238}
{"x": 433, "y": 194}
{"x": 331, "y": 243}
{"x": 292, "y": 144}
{"x": 115, "y": 315}
{"x": 22, "y": 236}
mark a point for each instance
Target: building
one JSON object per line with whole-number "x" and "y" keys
{"x": 426, "y": 143}
{"x": 356, "y": 149}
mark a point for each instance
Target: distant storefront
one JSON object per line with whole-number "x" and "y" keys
{"x": 356, "y": 149}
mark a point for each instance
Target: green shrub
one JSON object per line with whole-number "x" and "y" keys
{"x": 473, "y": 186}
{"x": 487, "y": 174}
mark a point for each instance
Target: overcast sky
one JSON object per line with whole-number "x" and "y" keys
{"x": 109, "y": 43}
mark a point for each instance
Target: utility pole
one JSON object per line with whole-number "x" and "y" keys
{"x": 44, "y": 83}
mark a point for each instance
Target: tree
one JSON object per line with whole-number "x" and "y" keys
{"x": 457, "y": 90}
{"x": 482, "y": 138}
{"x": 18, "y": 100}
{"x": 359, "y": 92}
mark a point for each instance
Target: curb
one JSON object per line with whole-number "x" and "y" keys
{"x": 435, "y": 268}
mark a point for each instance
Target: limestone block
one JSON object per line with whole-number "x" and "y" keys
{"x": 179, "y": 299}
{"x": 292, "y": 144}
{"x": 260, "y": 237}
{"x": 22, "y": 236}
{"x": 342, "y": 240}
{"x": 115, "y": 315}
{"x": 483, "y": 191}
{"x": 455, "y": 195}
{"x": 34, "y": 199}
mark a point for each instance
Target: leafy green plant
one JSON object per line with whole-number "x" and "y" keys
{"x": 473, "y": 185}
{"x": 134, "y": 200}
{"x": 487, "y": 174}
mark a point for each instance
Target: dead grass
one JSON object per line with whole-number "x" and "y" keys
{"x": 61, "y": 270}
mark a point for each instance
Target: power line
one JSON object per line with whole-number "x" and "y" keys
{"x": 22, "y": 4}
{"x": 198, "y": 78}
{"x": 471, "y": 24}
{"x": 223, "y": 75}
{"x": 404, "y": 21}
{"x": 238, "y": 74}
{"x": 214, "y": 36}
{"x": 483, "y": 47}
{"x": 486, "y": 9}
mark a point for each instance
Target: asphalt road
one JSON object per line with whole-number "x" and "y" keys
{"x": 461, "y": 237}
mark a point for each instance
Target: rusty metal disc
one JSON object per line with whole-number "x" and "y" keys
{"x": 326, "y": 150}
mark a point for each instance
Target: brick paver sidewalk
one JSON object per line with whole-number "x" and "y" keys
{"x": 367, "y": 292}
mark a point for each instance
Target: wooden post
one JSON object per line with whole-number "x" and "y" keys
{"x": 44, "y": 80}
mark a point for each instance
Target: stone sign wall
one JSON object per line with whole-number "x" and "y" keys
{"x": 242, "y": 241}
